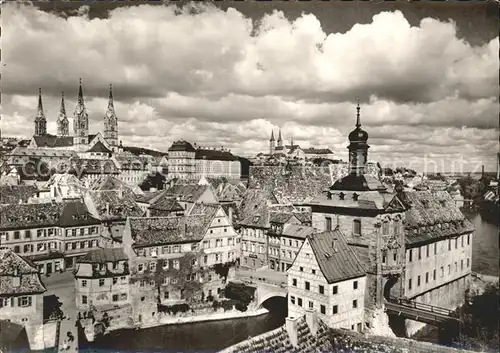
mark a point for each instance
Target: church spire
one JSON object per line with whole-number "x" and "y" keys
{"x": 80, "y": 123}
{"x": 279, "y": 137}
{"x": 111, "y": 123}
{"x": 40, "y": 120}
{"x": 62, "y": 120}
{"x": 358, "y": 108}
{"x": 272, "y": 135}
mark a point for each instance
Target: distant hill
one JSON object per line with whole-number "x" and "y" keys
{"x": 139, "y": 150}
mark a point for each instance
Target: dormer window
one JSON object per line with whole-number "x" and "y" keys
{"x": 341, "y": 195}
{"x": 75, "y": 217}
{"x": 355, "y": 197}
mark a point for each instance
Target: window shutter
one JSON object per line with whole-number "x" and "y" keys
{"x": 29, "y": 301}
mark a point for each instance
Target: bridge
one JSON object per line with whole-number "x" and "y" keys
{"x": 421, "y": 312}
{"x": 268, "y": 283}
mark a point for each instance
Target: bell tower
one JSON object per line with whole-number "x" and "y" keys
{"x": 62, "y": 120}
{"x": 80, "y": 123}
{"x": 111, "y": 123}
{"x": 358, "y": 147}
{"x": 40, "y": 120}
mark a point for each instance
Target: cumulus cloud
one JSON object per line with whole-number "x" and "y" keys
{"x": 218, "y": 78}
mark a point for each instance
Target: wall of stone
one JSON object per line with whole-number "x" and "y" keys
{"x": 449, "y": 296}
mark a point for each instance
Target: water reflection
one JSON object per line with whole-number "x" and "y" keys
{"x": 194, "y": 337}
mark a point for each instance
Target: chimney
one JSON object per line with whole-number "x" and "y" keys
{"x": 291, "y": 329}
{"x": 312, "y": 321}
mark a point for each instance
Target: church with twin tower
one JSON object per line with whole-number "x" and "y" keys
{"x": 82, "y": 140}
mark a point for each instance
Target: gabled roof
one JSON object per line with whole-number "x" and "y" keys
{"x": 11, "y": 265}
{"x": 103, "y": 255}
{"x": 150, "y": 197}
{"x": 187, "y": 192}
{"x": 254, "y": 200}
{"x": 42, "y": 152}
{"x": 108, "y": 182}
{"x": 168, "y": 204}
{"x": 432, "y": 215}
{"x": 115, "y": 204}
{"x": 99, "y": 147}
{"x": 297, "y": 231}
{"x": 262, "y": 218}
{"x": 335, "y": 258}
{"x": 25, "y": 216}
{"x": 53, "y": 141}
{"x": 290, "y": 183}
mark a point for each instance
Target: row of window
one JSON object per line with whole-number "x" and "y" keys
{"x": 23, "y": 302}
{"x": 322, "y": 308}
{"x": 321, "y": 288}
{"x": 48, "y": 232}
{"x": 419, "y": 251}
{"x": 42, "y": 247}
{"x": 114, "y": 298}
{"x": 253, "y": 232}
{"x": 102, "y": 281}
{"x": 427, "y": 274}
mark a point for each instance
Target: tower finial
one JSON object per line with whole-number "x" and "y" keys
{"x": 40, "y": 107}
{"x": 358, "y": 122}
{"x": 63, "y": 108}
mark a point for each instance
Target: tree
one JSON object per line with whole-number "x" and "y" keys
{"x": 156, "y": 181}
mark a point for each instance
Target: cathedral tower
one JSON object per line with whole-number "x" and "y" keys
{"x": 358, "y": 148}
{"x": 280, "y": 140}
{"x": 40, "y": 120}
{"x": 62, "y": 120}
{"x": 80, "y": 123}
{"x": 111, "y": 123}
{"x": 272, "y": 143}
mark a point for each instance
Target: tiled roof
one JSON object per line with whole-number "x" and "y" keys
{"x": 169, "y": 204}
{"x": 303, "y": 217}
{"x": 290, "y": 183}
{"x": 108, "y": 182}
{"x": 432, "y": 215}
{"x": 10, "y": 194}
{"x": 261, "y": 218}
{"x": 187, "y": 192}
{"x": 25, "y": 216}
{"x": 42, "y": 152}
{"x": 150, "y": 197}
{"x": 278, "y": 341}
{"x": 53, "y": 141}
{"x": 209, "y": 209}
{"x": 10, "y": 262}
{"x": 254, "y": 200}
{"x": 132, "y": 162}
{"x": 65, "y": 179}
{"x": 166, "y": 230}
{"x": 99, "y": 147}
{"x": 115, "y": 204}
{"x": 353, "y": 182}
{"x": 227, "y": 190}
{"x": 336, "y": 265}
{"x": 297, "y": 231}
{"x": 313, "y": 150}
{"x": 103, "y": 255}
{"x": 217, "y": 155}
{"x": 95, "y": 166}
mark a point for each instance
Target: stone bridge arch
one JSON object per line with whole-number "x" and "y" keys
{"x": 267, "y": 291}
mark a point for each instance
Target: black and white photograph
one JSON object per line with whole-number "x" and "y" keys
{"x": 249, "y": 176}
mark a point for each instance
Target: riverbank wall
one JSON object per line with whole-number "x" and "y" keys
{"x": 121, "y": 319}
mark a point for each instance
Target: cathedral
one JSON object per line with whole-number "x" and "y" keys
{"x": 81, "y": 141}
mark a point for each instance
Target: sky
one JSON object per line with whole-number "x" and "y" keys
{"x": 226, "y": 74}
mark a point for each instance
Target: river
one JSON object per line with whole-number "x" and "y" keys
{"x": 210, "y": 336}
{"x": 213, "y": 336}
